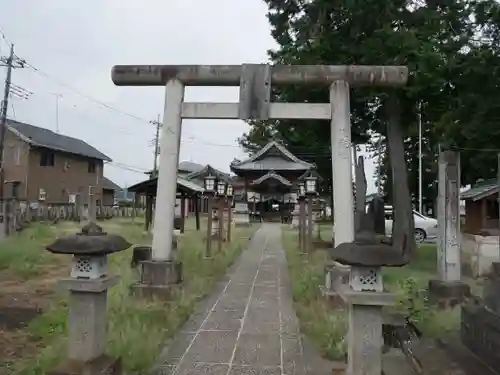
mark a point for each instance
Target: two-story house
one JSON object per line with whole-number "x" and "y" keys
{"x": 50, "y": 167}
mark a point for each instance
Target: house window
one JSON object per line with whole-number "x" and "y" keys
{"x": 17, "y": 156}
{"x": 91, "y": 167}
{"x": 47, "y": 158}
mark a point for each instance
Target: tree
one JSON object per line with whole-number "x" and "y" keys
{"x": 436, "y": 39}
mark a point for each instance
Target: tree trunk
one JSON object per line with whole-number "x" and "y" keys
{"x": 403, "y": 226}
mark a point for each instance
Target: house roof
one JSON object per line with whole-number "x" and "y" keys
{"x": 273, "y": 156}
{"x": 481, "y": 190}
{"x": 150, "y": 185}
{"x": 110, "y": 185}
{"x": 41, "y": 137}
{"x": 272, "y": 175}
{"x": 208, "y": 169}
{"x": 190, "y": 166}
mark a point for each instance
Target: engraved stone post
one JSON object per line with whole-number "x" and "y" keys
{"x": 448, "y": 289}
{"x": 241, "y": 214}
{"x": 365, "y": 297}
{"x": 310, "y": 187}
{"x": 88, "y": 288}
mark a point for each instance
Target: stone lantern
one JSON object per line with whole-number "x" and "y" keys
{"x": 209, "y": 194}
{"x": 365, "y": 297}
{"x": 221, "y": 188}
{"x": 209, "y": 183}
{"x": 88, "y": 286}
{"x": 229, "y": 190}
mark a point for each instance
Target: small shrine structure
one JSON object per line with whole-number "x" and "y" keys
{"x": 270, "y": 178}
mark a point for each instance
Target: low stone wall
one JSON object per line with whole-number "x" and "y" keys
{"x": 480, "y": 322}
{"x": 478, "y": 254}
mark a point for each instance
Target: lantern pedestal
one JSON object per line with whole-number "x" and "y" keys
{"x": 158, "y": 279}
{"x": 87, "y": 328}
{"x": 365, "y": 341}
{"x": 447, "y": 294}
{"x": 88, "y": 288}
{"x": 365, "y": 297}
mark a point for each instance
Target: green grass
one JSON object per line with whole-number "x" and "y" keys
{"x": 23, "y": 253}
{"x": 325, "y": 324}
{"x": 137, "y": 328}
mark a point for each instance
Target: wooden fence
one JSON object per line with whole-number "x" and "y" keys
{"x": 20, "y": 214}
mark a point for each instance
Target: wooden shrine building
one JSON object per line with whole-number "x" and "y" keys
{"x": 269, "y": 180}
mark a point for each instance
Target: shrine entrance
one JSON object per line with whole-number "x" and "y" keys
{"x": 271, "y": 177}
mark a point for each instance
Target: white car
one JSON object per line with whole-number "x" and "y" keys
{"x": 425, "y": 227}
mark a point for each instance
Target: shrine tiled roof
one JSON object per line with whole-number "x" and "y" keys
{"x": 208, "y": 169}
{"x": 273, "y": 156}
{"x": 272, "y": 175}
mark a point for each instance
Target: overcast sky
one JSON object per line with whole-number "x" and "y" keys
{"x": 73, "y": 46}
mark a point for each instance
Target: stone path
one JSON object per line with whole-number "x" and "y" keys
{"x": 248, "y": 326}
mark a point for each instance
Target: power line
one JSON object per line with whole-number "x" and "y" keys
{"x": 89, "y": 98}
{"x": 127, "y": 167}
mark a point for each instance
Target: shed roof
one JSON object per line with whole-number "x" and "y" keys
{"x": 41, "y": 137}
{"x": 480, "y": 190}
{"x": 190, "y": 166}
{"x": 183, "y": 186}
{"x": 110, "y": 185}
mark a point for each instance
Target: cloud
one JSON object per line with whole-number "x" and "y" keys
{"x": 77, "y": 43}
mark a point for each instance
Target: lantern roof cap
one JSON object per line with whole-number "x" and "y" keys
{"x": 368, "y": 250}
{"x": 92, "y": 240}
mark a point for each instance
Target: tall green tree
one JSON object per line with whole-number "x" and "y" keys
{"x": 438, "y": 40}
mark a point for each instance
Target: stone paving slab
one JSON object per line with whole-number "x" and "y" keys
{"x": 248, "y": 326}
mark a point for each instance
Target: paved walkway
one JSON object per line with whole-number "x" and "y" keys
{"x": 248, "y": 326}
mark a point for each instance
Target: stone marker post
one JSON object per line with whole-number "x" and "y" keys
{"x": 310, "y": 185}
{"x": 229, "y": 212}
{"x": 302, "y": 217}
{"x": 221, "y": 195}
{"x": 88, "y": 288}
{"x": 365, "y": 297}
{"x": 448, "y": 289}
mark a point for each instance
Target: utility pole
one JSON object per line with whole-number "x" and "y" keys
{"x": 11, "y": 62}
{"x": 420, "y": 204}
{"x": 156, "y": 145}
{"x": 57, "y": 97}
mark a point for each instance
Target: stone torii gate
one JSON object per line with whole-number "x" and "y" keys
{"x": 255, "y": 81}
